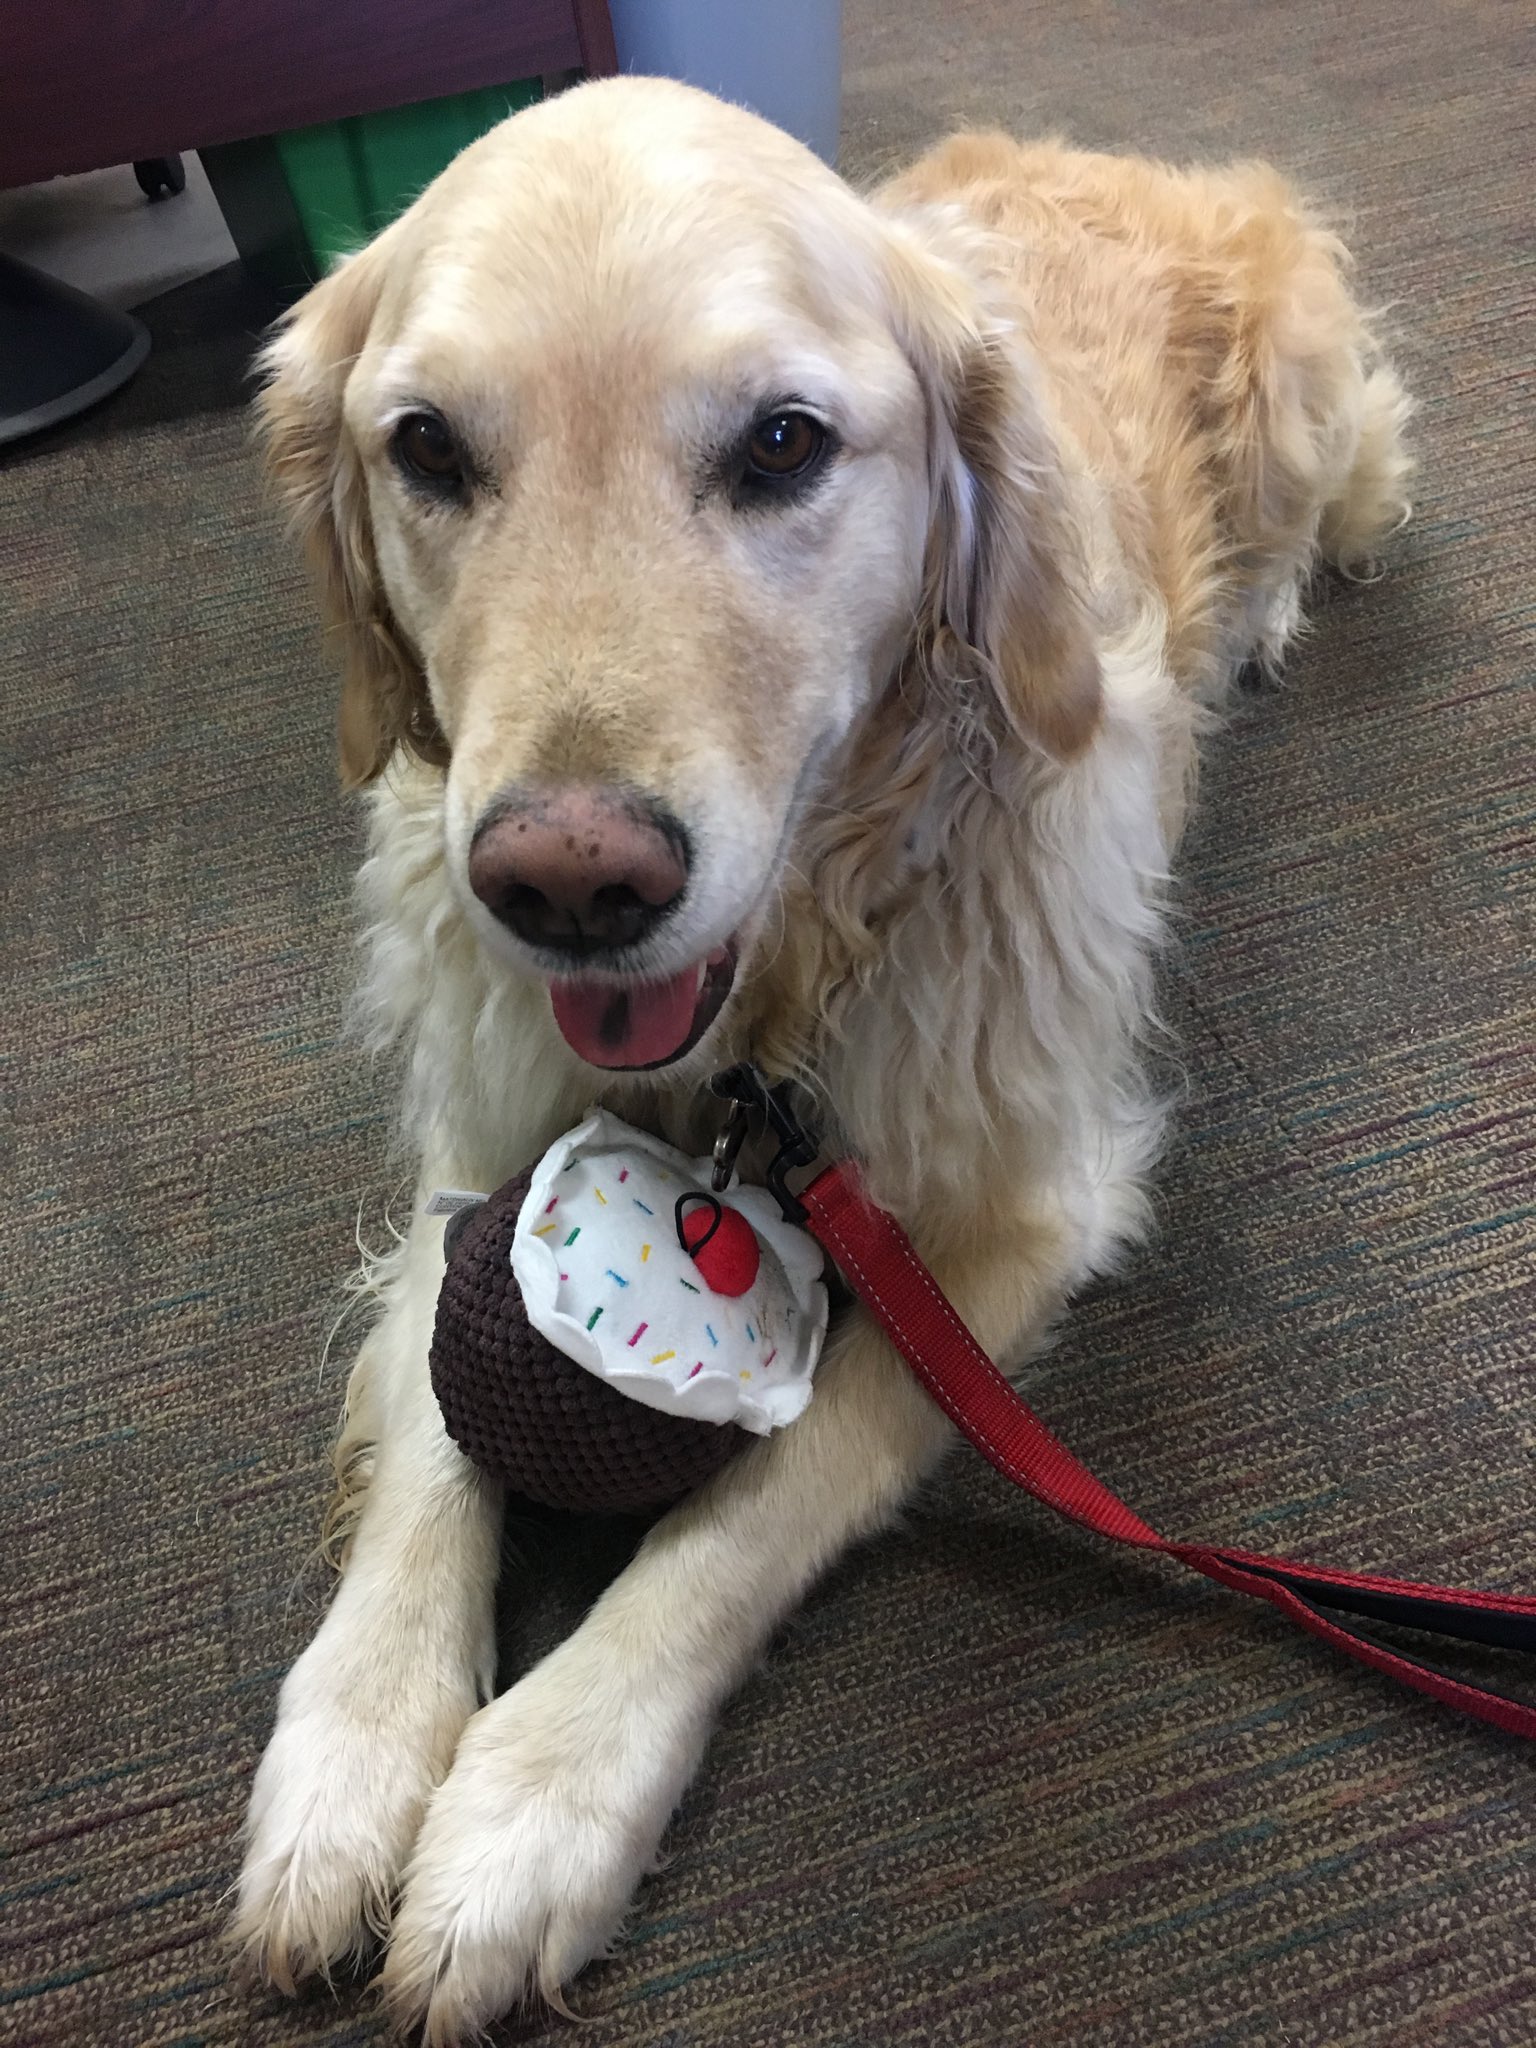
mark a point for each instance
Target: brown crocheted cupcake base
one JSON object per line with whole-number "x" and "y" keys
{"x": 545, "y": 1426}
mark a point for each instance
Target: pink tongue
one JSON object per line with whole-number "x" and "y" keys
{"x": 633, "y": 1026}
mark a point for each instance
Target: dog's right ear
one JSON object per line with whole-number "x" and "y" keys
{"x": 312, "y": 458}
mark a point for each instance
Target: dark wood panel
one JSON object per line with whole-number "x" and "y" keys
{"x": 85, "y": 83}
{"x": 594, "y": 31}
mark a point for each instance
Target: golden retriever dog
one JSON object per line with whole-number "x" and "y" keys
{"x": 779, "y": 623}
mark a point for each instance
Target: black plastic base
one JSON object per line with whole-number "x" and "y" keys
{"x": 60, "y": 350}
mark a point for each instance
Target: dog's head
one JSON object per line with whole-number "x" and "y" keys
{"x": 638, "y": 459}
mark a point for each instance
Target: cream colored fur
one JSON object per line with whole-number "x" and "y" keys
{"x": 935, "y": 737}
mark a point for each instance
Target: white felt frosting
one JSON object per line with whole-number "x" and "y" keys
{"x": 604, "y": 1278}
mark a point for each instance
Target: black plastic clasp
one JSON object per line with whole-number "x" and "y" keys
{"x": 751, "y": 1098}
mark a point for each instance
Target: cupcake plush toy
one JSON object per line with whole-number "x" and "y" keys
{"x": 611, "y": 1331}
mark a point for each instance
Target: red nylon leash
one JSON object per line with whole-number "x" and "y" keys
{"x": 881, "y": 1265}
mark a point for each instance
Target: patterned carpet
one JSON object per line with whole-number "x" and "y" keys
{"x": 997, "y": 1786}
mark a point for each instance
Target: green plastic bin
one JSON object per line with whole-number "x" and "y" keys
{"x": 294, "y": 203}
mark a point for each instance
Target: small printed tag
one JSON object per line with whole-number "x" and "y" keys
{"x": 449, "y": 1201}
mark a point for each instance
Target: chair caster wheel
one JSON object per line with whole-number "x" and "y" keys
{"x": 161, "y": 177}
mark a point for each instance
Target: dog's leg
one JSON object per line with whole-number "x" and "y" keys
{"x": 1374, "y": 500}
{"x": 558, "y": 1796}
{"x": 368, "y": 1717}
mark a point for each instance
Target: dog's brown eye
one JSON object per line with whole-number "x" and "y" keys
{"x": 784, "y": 445}
{"x": 428, "y": 452}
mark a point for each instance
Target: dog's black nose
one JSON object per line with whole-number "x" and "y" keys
{"x": 578, "y": 870}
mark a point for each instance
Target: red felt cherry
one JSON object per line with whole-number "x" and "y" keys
{"x": 722, "y": 1244}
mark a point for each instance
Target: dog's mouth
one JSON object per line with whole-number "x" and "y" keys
{"x": 635, "y": 1025}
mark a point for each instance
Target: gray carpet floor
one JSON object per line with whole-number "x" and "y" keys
{"x": 997, "y": 1786}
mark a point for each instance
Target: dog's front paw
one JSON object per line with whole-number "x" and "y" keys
{"x": 336, "y": 1803}
{"x": 530, "y": 1853}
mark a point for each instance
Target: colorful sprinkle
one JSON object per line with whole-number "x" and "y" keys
{"x": 573, "y": 1236}
{"x": 640, "y": 1205}
{"x": 552, "y": 1205}
{"x": 638, "y": 1335}
{"x": 689, "y": 1285}
{"x": 545, "y": 1228}
{"x": 662, "y": 1357}
{"x": 745, "y": 1375}
{"x": 698, "y": 1368}
{"x": 645, "y": 1253}
{"x": 773, "y": 1354}
{"x": 623, "y": 1174}
{"x": 709, "y": 1333}
{"x": 751, "y": 1334}
{"x": 591, "y": 1319}
{"x": 601, "y": 1196}
{"x": 617, "y": 1276}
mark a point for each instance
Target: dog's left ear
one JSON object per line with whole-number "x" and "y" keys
{"x": 1005, "y": 596}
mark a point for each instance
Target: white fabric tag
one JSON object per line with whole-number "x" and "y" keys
{"x": 449, "y": 1201}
